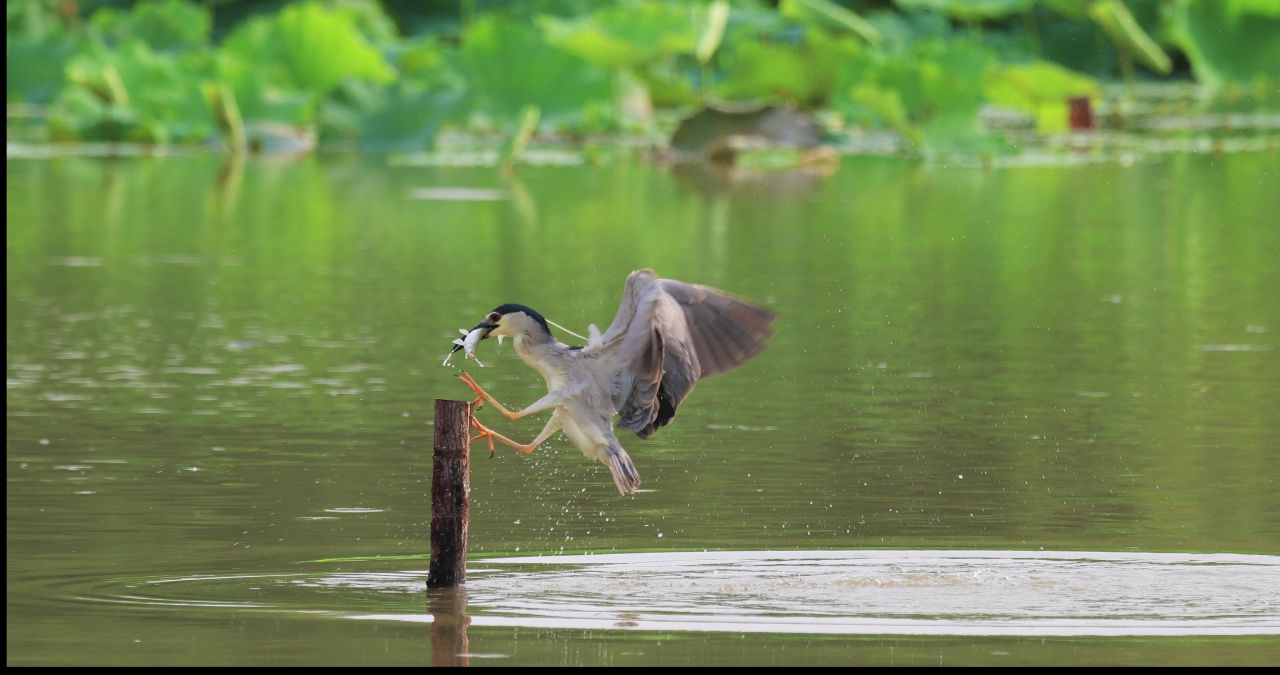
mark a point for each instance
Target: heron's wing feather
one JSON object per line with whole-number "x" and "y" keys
{"x": 726, "y": 331}
{"x": 640, "y": 285}
{"x": 663, "y": 367}
{"x": 666, "y": 336}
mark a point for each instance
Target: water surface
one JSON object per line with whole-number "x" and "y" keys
{"x": 226, "y": 371}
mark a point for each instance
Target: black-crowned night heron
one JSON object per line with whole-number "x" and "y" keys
{"x": 666, "y": 336}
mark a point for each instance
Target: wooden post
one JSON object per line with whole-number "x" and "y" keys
{"x": 1080, "y": 115}
{"x": 450, "y": 494}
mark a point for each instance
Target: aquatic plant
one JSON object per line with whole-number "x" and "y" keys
{"x": 389, "y": 77}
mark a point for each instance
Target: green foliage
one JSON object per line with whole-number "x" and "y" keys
{"x": 970, "y": 10}
{"x": 34, "y": 66}
{"x": 519, "y": 141}
{"x": 133, "y": 93}
{"x": 309, "y": 47}
{"x": 830, "y": 16}
{"x": 226, "y": 113}
{"x": 1040, "y": 89}
{"x": 899, "y": 31}
{"x": 653, "y": 41}
{"x": 669, "y": 85}
{"x": 508, "y": 66}
{"x": 931, "y": 95}
{"x": 342, "y": 69}
{"x": 1073, "y": 9}
{"x": 262, "y": 86}
{"x": 1260, "y": 7}
{"x": 369, "y": 18}
{"x": 1113, "y": 16}
{"x": 803, "y": 74}
{"x": 36, "y": 51}
{"x": 421, "y": 60}
{"x": 711, "y": 30}
{"x": 888, "y": 105}
{"x": 164, "y": 25}
{"x": 1230, "y": 41}
{"x": 403, "y": 117}
{"x": 625, "y": 35}
{"x": 281, "y": 68}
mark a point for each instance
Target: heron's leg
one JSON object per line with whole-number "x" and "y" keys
{"x": 489, "y": 435}
{"x": 481, "y": 394}
{"x": 553, "y": 425}
{"x": 550, "y": 400}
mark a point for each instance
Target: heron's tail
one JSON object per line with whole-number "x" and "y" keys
{"x": 624, "y": 471}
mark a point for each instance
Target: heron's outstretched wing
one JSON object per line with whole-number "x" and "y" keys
{"x": 665, "y": 337}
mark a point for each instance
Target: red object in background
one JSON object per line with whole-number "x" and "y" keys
{"x": 1081, "y": 114}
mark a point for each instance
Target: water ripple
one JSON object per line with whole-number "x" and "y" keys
{"x": 1018, "y": 593}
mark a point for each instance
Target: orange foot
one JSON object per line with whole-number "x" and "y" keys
{"x": 483, "y": 397}
{"x": 484, "y": 432}
{"x": 490, "y": 436}
{"x": 475, "y": 387}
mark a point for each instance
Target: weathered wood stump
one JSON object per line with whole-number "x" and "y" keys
{"x": 450, "y": 494}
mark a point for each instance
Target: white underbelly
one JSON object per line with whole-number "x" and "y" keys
{"x": 589, "y": 441}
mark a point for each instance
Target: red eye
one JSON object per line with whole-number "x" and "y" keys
{"x": 494, "y": 317}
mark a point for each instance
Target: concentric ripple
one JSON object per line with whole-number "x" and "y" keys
{"x": 821, "y": 592}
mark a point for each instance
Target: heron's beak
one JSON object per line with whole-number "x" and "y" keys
{"x": 487, "y": 326}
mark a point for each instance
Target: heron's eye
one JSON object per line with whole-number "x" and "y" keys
{"x": 494, "y": 317}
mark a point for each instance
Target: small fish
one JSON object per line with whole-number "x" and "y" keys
{"x": 468, "y": 344}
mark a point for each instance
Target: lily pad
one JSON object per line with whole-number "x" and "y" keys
{"x": 625, "y": 35}
{"x": 132, "y": 93}
{"x": 164, "y": 25}
{"x": 803, "y": 74}
{"x": 509, "y": 66}
{"x": 1230, "y": 41}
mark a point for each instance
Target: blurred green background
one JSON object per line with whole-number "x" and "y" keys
{"x": 394, "y": 75}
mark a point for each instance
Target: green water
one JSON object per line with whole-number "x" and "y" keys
{"x": 219, "y": 370}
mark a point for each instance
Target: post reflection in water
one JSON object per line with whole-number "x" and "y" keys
{"x": 449, "y": 621}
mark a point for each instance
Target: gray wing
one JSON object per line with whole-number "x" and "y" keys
{"x": 666, "y": 336}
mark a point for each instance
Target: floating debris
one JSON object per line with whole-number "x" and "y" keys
{"x": 77, "y": 261}
{"x": 1233, "y": 348}
{"x": 457, "y": 194}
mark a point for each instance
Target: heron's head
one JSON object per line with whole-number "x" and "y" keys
{"x": 515, "y": 320}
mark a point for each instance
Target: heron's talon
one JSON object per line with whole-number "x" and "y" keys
{"x": 473, "y": 386}
{"x": 483, "y": 432}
